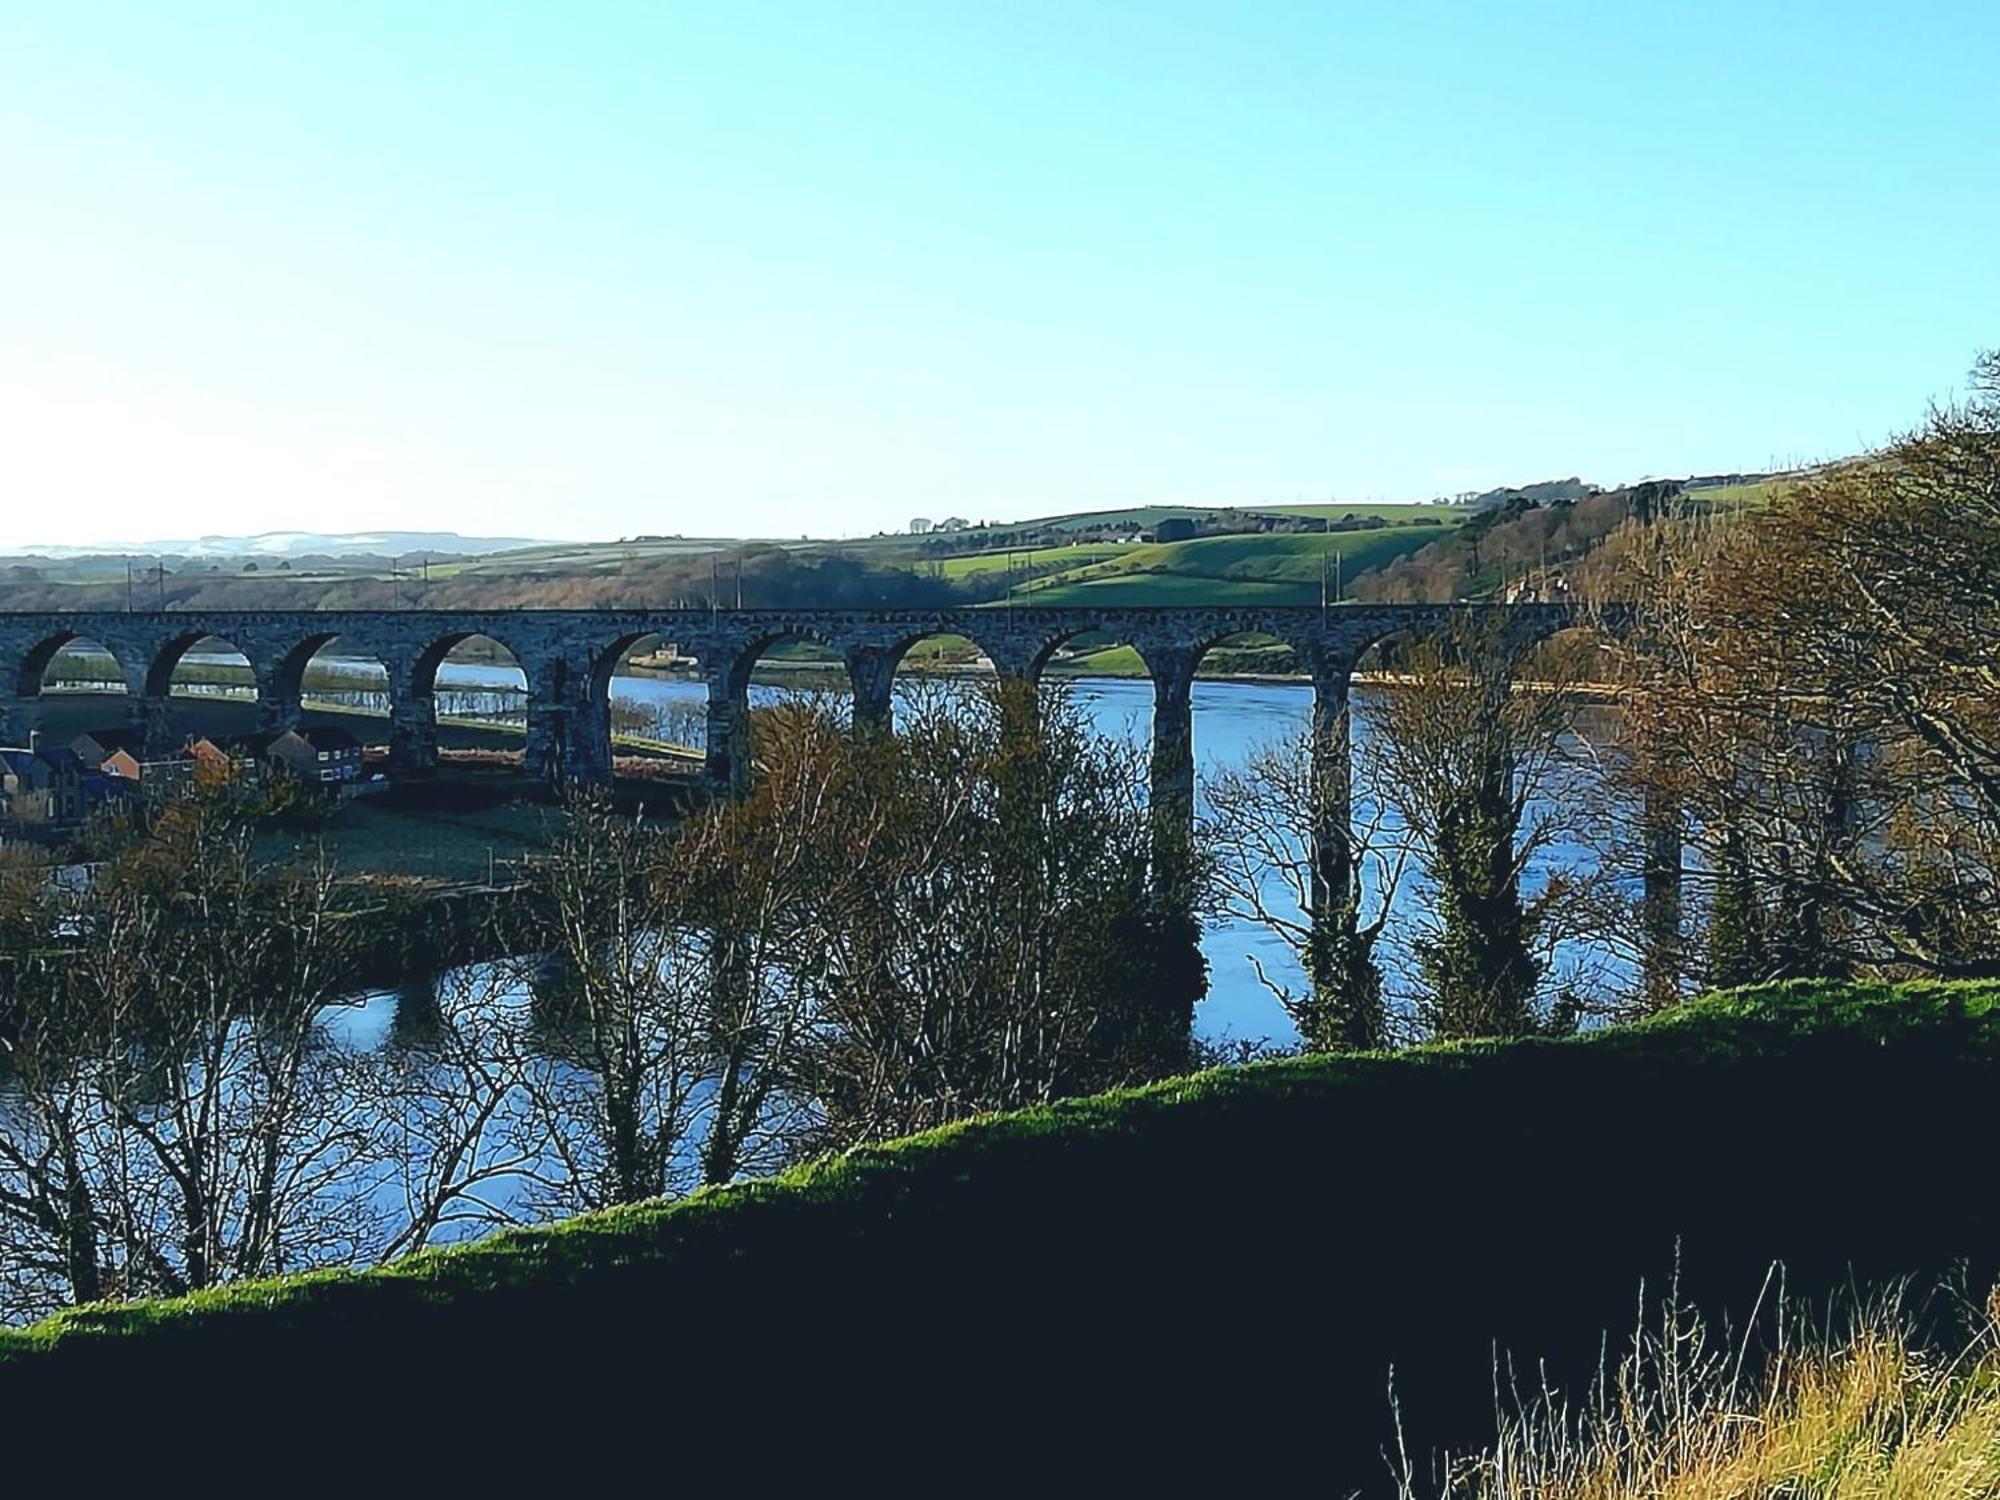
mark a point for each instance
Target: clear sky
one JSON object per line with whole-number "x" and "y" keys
{"x": 589, "y": 270}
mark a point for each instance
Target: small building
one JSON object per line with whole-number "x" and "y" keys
{"x": 199, "y": 765}
{"x": 42, "y": 786}
{"x": 319, "y": 754}
{"x": 336, "y": 753}
{"x": 115, "y": 752}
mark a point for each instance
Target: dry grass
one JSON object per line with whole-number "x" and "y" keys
{"x": 1869, "y": 1416}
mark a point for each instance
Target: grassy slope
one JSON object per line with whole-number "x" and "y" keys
{"x": 1741, "y": 496}
{"x": 1187, "y": 1242}
{"x": 1273, "y": 568}
{"x": 1075, "y": 555}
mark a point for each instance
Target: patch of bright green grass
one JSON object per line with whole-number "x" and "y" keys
{"x": 1000, "y": 561}
{"x": 1261, "y": 568}
{"x": 1740, "y": 496}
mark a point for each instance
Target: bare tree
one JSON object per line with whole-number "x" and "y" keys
{"x": 1262, "y": 830}
{"x": 1816, "y": 685}
{"x": 621, "y": 1057}
{"x": 180, "y": 1111}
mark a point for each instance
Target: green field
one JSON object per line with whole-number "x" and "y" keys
{"x": 1079, "y": 554}
{"x": 1261, "y": 568}
{"x": 1740, "y": 496}
{"x": 1260, "y": 1243}
{"x": 453, "y": 830}
{"x": 1156, "y": 590}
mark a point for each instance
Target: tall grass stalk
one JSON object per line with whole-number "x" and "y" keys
{"x": 1795, "y": 1410}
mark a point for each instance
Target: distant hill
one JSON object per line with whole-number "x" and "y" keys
{"x": 277, "y": 545}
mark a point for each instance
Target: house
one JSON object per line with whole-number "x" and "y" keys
{"x": 115, "y": 752}
{"x": 42, "y": 786}
{"x": 199, "y": 764}
{"x": 336, "y": 753}
{"x": 317, "y": 754}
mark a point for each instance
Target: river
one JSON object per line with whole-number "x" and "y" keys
{"x": 427, "y": 1044}
{"x": 1232, "y": 720}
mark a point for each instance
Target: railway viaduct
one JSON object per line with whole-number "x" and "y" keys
{"x": 569, "y": 656}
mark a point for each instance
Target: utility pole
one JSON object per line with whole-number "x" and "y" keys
{"x": 163, "y": 584}
{"x": 128, "y": 585}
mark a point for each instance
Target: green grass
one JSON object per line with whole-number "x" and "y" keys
{"x": 1265, "y": 568}
{"x": 1285, "y": 557}
{"x": 1226, "y": 1263}
{"x": 1159, "y": 590}
{"x": 1078, "y": 554}
{"x": 1740, "y": 496}
{"x": 439, "y": 833}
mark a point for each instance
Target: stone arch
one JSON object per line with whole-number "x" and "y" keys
{"x": 876, "y": 669}
{"x": 651, "y": 701}
{"x": 32, "y": 675}
{"x": 222, "y": 695}
{"x": 352, "y": 682}
{"x": 431, "y": 659}
{"x": 288, "y": 682}
{"x": 898, "y": 652}
{"x": 728, "y": 749}
{"x": 1051, "y": 645}
{"x": 1289, "y": 653}
{"x": 746, "y": 658}
{"x": 172, "y": 656}
{"x": 495, "y": 700}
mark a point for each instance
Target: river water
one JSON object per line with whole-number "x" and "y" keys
{"x": 401, "y": 1028}
{"x": 1232, "y": 721}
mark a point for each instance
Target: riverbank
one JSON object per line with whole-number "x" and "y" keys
{"x": 1242, "y": 1252}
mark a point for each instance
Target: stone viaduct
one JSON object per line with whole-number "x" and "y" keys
{"x": 568, "y": 658}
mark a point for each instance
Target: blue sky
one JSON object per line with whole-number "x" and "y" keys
{"x": 589, "y": 270}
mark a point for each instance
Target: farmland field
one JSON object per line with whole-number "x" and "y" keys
{"x": 1268, "y": 568}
